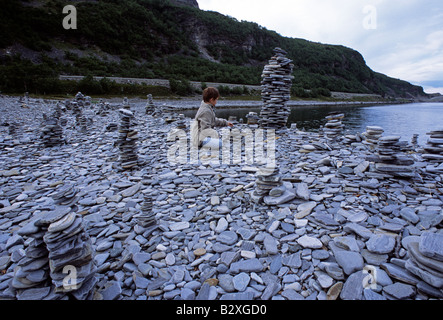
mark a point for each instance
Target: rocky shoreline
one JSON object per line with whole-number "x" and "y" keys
{"x": 349, "y": 232}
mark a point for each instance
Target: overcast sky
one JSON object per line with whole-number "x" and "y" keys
{"x": 400, "y": 38}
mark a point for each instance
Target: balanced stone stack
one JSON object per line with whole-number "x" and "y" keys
{"x": 372, "y": 135}
{"x": 434, "y": 147}
{"x": 181, "y": 122}
{"x": 169, "y": 113}
{"x": 334, "y": 126}
{"x": 59, "y": 259}
{"x": 253, "y": 118}
{"x": 276, "y": 90}
{"x": 267, "y": 179}
{"x": 52, "y": 132}
{"x": 150, "y": 106}
{"x": 391, "y": 160}
{"x": 426, "y": 262}
{"x": 146, "y": 218}
{"x": 66, "y": 195}
{"x": 127, "y": 140}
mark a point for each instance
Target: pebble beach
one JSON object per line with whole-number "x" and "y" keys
{"x": 349, "y": 223}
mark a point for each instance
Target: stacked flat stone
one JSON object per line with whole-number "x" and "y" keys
{"x": 52, "y": 132}
{"x": 426, "y": 262}
{"x": 146, "y": 218}
{"x": 181, "y": 122}
{"x": 150, "y": 106}
{"x": 372, "y": 135}
{"x": 253, "y": 118}
{"x": 66, "y": 195}
{"x": 127, "y": 140}
{"x": 391, "y": 159}
{"x": 169, "y": 113}
{"x": 334, "y": 126}
{"x": 103, "y": 108}
{"x": 60, "y": 247}
{"x": 267, "y": 180}
{"x": 276, "y": 90}
{"x": 434, "y": 147}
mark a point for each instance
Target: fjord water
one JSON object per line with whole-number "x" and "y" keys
{"x": 404, "y": 120}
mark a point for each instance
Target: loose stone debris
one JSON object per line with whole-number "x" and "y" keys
{"x": 161, "y": 231}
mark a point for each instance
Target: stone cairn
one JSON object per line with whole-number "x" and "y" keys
{"x": 58, "y": 262}
{"x": 52, "y": 132}
{"x": 372, "y": 135}
{"x": 181, "y": 122}
{"x": 127, "y": 140}
{"x": 146, "y": 219}
{"x": 267, "y": 180}
{"x": 276, "y": 90}
{"x": 426, "y": 262}
{"x": 334, "y": 126}
{"x": 169, "y": 113}
{"x": 434, "y": 147}
{"x": 391, "y": 158}
{"x": 150, "y": 106}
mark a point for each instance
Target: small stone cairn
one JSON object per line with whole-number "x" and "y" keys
{"x": 127, "y": 140}
{"x": 334, "y": 126}
{"x": 267, "y": 180}
{"x": 391, "y": 159}
{"x": 276, "y": 90}
{"x": 146, "y": 218}
{"x": 150, "y": 106}
{"x": 372, "y": 135}
{"x": 52, "y": 132}
{"x": 434, "y": 147}
{"x": 426, "y": 262}
{"x": 58, "y": 260}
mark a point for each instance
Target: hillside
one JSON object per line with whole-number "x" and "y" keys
{"x": 169, "y": 40}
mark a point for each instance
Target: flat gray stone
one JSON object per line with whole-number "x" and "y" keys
{"x": 400, "y": 290}
{"x": 112, "y": 291}
{"x": 349, "y": 261}
{"x": 309, "y": 242}
{"x": 431, "y": 245}
{"x": 241, "y": 281}
{"x": 353, "y": 287}
{"x": 380, "y": 244}
{"x": 409, "y": 214}
{"x": 227, "y": 237}
{"x": 250, "y": 265}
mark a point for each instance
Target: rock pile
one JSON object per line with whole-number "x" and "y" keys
{"x": 253, "y": 118}
{"x": 150, "y": 106}
{"x": 52, "y": 132}
{"x": 434, "y": 149}
{"x": 58, "y": 260}
{"x": 334, "y": 126}
{"x": 66, "y": 195}
{"x": 127, "y": 141}
{"x": 276, "y": 90}
{"x": 391, "y": 160}
{"x": 372, "y": 135}
{"x": 426, "y": 262}
{"x": 270, "y": 188}
{"x": 146, "y": 218}
{"x": 181, "y": 122}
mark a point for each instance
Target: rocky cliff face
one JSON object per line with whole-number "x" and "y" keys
{"x": 190, "y": 3}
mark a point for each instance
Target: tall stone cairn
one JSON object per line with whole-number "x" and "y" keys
{"x": 276, "y": 90}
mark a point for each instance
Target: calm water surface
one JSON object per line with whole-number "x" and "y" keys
{"x": 404, "y": 120}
